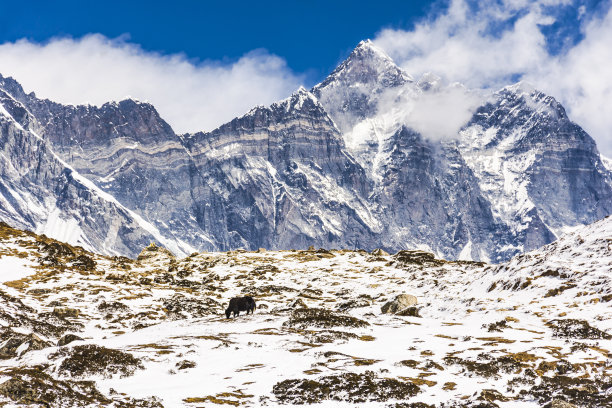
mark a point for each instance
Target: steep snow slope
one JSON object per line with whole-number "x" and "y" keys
{"x": 579, "y": 262}
{"x": 525, "y": 333}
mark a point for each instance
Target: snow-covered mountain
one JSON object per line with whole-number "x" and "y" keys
{"x": 513, "y": 178}
{"x": 359, "y": 161}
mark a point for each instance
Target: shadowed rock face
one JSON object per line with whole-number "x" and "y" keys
{"x": 292, "y": 175}
{"x": 289, "y": 179}
{"x": 419, "y": 180}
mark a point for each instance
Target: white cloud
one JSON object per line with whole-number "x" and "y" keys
{"x": 459, "y": 46}
{"x": 440, "y": 113}
{"x": 190, "y": 96}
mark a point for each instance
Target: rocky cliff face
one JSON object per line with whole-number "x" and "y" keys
{"x": 128, "y": 151}
{"x": 432, "y": 199}
{"x": 541, "y": 172}
{"x": 40, "y": 192}
{"x": 338, "y": 166}
{"x": 280, "y": 177}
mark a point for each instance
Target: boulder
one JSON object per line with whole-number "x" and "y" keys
{"x": 297, "y": 304}
{"x": 84, "y": 262}
{"x": 557, "y": 403}
{"x": 399, "y": 304}
{"x": 354, "y": 303}
{"x": 64, "y": 312}
{"x": 185, "y": 364}
{"x": 67, "y": 339}
{"x": 154, "y": 253}
{"x": 19, "y": 343}
{"x": 411, "y": 311}
{"x": 406, "y": 257}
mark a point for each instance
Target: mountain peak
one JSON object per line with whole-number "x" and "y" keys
{"x": 535, "y": 100}
{"x": 367, "y": 47}
{"x": 366, "y": 44}
{"x": 350, "y": 92}
{"x": 301, "y": 98}
{"x": 301, "y": 90}
{"x": 521, "y": 87}
{"x": 11, "y": 86}
{"x": 298, "y": 99}
{"x": 367, "y": 65}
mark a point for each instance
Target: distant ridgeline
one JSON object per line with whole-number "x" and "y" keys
{"x": 338, "y": 166}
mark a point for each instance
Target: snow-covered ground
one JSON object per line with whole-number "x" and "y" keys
{"x": 520, "y": 334}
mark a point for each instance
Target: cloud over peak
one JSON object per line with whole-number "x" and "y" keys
{"x": 190, "y": 95}
{"x": 556, "y": 45}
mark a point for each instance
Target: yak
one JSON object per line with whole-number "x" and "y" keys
{"x": 240, "y": 304}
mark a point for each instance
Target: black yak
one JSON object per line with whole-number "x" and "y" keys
{"x": 240, "y": 304}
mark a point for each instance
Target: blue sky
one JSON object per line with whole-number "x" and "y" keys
{"x": 312, "y": 36}
{"x": 203, "y": 63}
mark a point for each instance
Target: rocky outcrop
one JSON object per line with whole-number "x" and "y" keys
{"x": 18, "y": 344}
{"x": 67, "y": 339}
{"x": 279, "y": 177}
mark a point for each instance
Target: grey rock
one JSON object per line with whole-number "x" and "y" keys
{"x": 399, "y": 304}
{"x": 557, "y": 403}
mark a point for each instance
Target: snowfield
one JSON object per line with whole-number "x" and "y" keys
{"x": 535, "y": 331}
